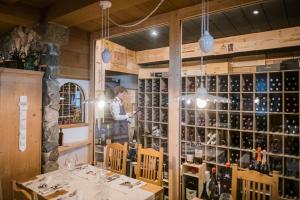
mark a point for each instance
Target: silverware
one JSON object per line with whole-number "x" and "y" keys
{"x": 51, "y": 189}
{"x": 131, "y": 185}
{"x": 72, "y": 194}
{"x": 113, "y": 177}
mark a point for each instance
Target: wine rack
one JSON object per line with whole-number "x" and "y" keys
{"x": 264, "y": 111}
{"x": 71, "y": 109}
{"x": 153, "y": 118}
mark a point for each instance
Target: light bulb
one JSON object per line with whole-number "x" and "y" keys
{"x": 256, "y": 100}
{"x": 255, "y": 12}
{"x": 188, "y": 101}
{"x": 101, "y": 103}
{"x": 154, "y": 33}
{"x": 201, "y": 103}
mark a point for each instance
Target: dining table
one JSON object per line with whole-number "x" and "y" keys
{"x": 87, "y": 182}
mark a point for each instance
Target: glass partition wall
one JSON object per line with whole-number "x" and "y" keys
{"x": 134, "y": 66}
{"x": 261, "y": 118}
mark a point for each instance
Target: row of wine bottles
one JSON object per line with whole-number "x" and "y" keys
{"x": 216, "y": 186}
{"x": 291, "y": 144}
{"x": 258, "y": 123}
{"x": 275, "y": 83}
{"x": 153, "y": 85}
{"x": 213, "y": 185}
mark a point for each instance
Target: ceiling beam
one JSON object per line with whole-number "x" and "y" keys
{"x": 288, "y": 37}
{"x": 19, "y": 14}
{"x": 183, "y": 13}
{"x": 70, "y": 12}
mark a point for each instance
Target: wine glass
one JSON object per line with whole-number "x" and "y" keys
{"x": 102, "y": 173}
{"x": 71, "y": 162}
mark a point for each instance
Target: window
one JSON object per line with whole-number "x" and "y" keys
{"x": 71, "y": 104}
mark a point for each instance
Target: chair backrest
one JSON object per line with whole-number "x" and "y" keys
{"x": 149, "y": 165}
{"x": 115, "y": 157}
{"x": 255, "y": 185}
{"x": 22, "y": 193}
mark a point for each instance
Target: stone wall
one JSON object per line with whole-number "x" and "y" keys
{"x": 52, "y": 36}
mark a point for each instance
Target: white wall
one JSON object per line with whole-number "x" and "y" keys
{"x": 72, "y": 135}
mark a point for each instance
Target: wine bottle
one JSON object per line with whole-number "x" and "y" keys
{"x": 198, "y": 155}
{"x": 206, "y": 192}
{"x": 253, "y": 161}
{"x": 214, "y": 186}
{"x": 61, "y": 137}
{"x": 226, "y": 179}
{"x": 191, "y": 190}
{"x": 264, "y": 168}
{"x": 258, "y": 160}
{"x": 190, "y": 154}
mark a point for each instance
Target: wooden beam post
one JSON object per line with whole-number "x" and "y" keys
{"x": 174, "y": 88}
{"x": 91, "y": 107}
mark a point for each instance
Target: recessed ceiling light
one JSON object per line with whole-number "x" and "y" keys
{"x": 154, "y": 33}
{"x": 255, "y": 12}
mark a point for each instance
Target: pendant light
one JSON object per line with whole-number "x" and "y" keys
{"x": 105, "y": 6}
{"x": 206, "y": 43}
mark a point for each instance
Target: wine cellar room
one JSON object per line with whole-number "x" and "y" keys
{"x": 150, "y": 99}
{"x": 251, "y": 82}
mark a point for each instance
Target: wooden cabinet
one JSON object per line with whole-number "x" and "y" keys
{"x": 15, "y": 164}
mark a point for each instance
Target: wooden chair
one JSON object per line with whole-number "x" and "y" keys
{"x": 116, "y": 157}
{"x": 255, "y": 185}
{"x": 149, "y": 165}
{"x": 22, "y": 193}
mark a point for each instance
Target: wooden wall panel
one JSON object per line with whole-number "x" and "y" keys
{"x": 15, "y": 164}
{"x": 288, "y": 37}
{"x": 74, "y": 59}
{"x": 123, "y": 60}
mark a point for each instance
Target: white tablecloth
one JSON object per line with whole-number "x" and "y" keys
{"x": 88, "y": 186}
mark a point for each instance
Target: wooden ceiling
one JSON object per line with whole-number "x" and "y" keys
{"x": 273, "y": 14}
{"x": 83, "y": 14}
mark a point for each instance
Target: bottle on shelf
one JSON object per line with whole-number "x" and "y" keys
{"x": 258, "y": 159}
{"x": 61, "y": 137}
{"x": 191, "y": 189}
{"x": 226, "y": 179}
{"x": 190, "y": 154}
{"x": 253, "y": 160}
{"x": 206, "y": 192}
{"x": 198, "y": 155}
{"x": 264, "y": 167}
{"x": 214, "y": 186}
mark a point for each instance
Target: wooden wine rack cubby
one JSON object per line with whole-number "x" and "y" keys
{"x": 153, "y": 118}
{"x": 253, "y": 121}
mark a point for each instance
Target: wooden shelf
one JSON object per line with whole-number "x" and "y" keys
{"x": 72, "y": 146}
{"x": 191, "y": 114}
{"x": 65, "y": 126}
{"x": 191, "y": 174}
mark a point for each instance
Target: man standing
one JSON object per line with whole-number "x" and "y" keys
{"x": 121, "y": 118}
